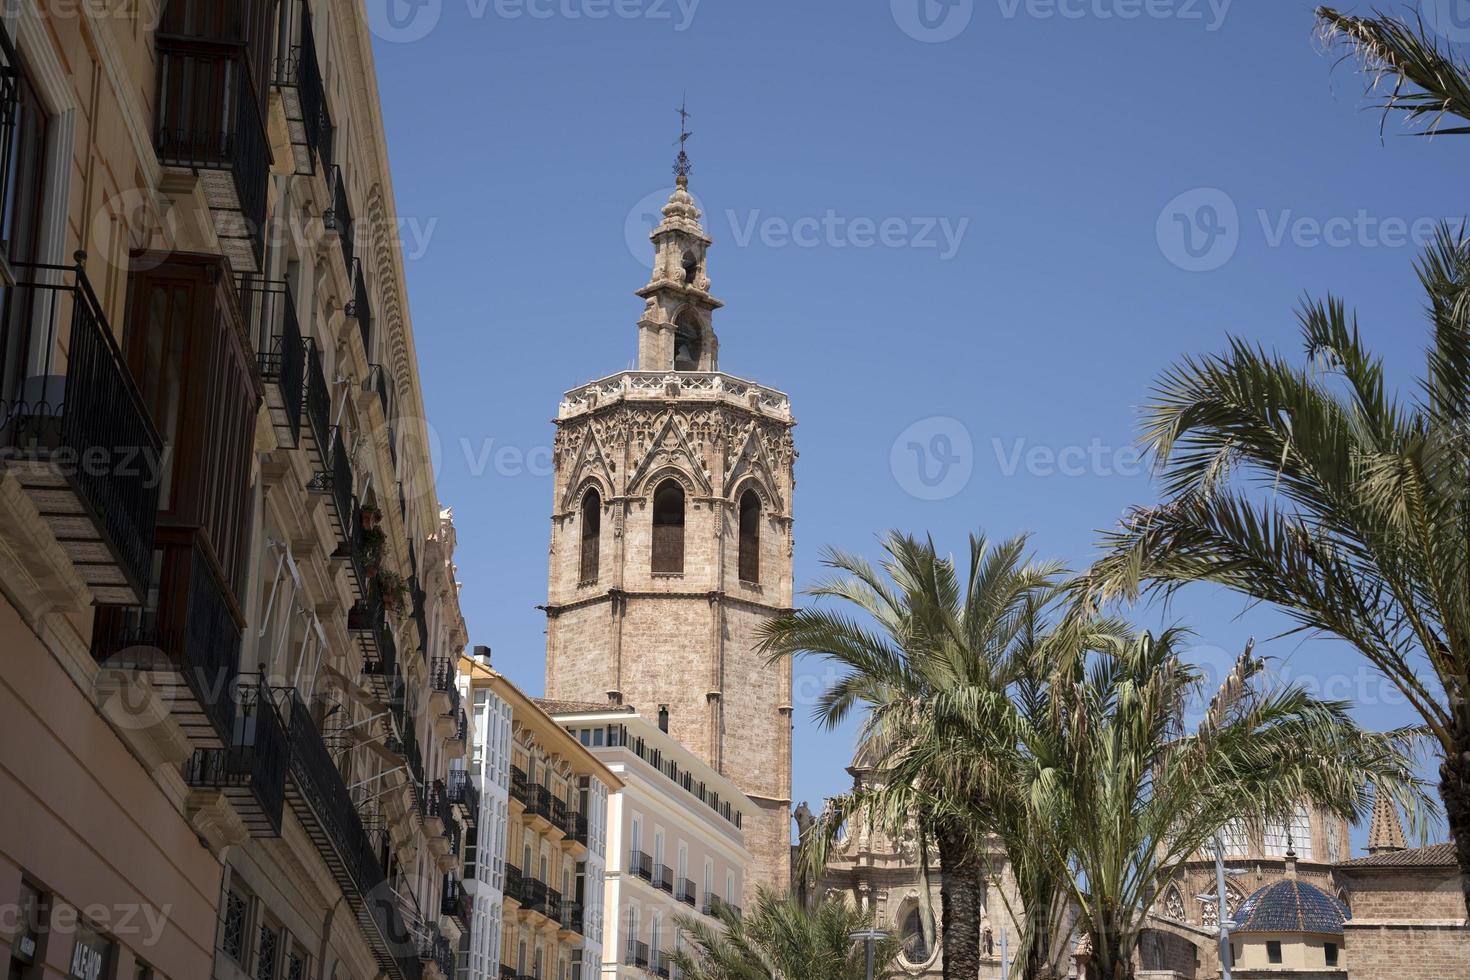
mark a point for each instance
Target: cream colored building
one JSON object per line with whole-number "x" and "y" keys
{"x": 671, "y": 541}
{"x": 230, "y": 619}
{"x": 675, "y": 831}
{"x": 540, "y": 857}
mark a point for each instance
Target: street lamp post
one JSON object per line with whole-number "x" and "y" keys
{"x": 868, "y": 937}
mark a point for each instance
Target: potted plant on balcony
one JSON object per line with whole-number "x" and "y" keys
{"x": 371, "y": 517}
{"x": 373, "y": 542}
{"x": 392, "y": 590}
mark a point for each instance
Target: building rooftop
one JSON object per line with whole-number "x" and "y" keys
{"x": 554, "y": 707}
{"x": 1292, "y": 906}
{"x": 1434, "y": 856}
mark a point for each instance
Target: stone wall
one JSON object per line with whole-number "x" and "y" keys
{"x": 687, "y": 640}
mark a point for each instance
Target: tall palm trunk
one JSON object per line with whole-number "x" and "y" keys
{"x": 1454, "y": 788}
{"x": 1110, "y": 961}
{"x": 959, "y": 897}
{"x": 1038, "y": 939}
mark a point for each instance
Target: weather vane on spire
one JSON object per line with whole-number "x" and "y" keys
{"x": 682, "y": 166}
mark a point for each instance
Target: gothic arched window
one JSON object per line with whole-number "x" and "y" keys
{"x": 750, "y": 537}
{"x": 687, "y": 344}
{"x": 591, "y": 535}
{"x": 668, "y": 529}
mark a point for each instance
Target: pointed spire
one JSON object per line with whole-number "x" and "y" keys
{"x": 1386, "y": 832}
{"x": 682, "y": 167}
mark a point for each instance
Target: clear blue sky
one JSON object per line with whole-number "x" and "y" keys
{"x": 1033, "y": 280}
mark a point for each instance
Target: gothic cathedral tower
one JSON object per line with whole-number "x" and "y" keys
{"x": 671, "y": 541}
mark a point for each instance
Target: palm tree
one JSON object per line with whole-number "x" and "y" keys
{"x": 781, "y": 938}
{"x": 1133, "y": 795}
{"x": 1312, "y": 488}
{"x": 932, "y": 634}
{"x": 1418, "y": 74}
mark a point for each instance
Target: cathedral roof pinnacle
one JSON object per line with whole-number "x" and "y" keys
{"x": 1386, "y": 832}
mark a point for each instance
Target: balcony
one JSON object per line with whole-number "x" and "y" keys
{"x": 451, "y": 859}
{"x": 435, "y": 953}
{"x": 641, "y": 865}
{"x": 317, "y": 407}
{"x": 663, "y": 878}
{"x": 538, "y": 807}
{"x": 662, "y": 964}
{"x": 251, "y": 771}
{"x": 636, "y": 954}
{"x": 187, "y": 643}
{"x": 338, "y": 218}
{"x": 684, "y": 892}
{"x": 572, "y": 919}
{"x": 520, "y": 788}
{"x": 579, "y": 829}
{"x": 380, "y": 668}
{"x": 456, "y": 903}
{"x": 185, "y": 344}
{"x": 322, "y": 803}
{"x": 335, "y": 480}
{"x": 380, "y": 380}
{"x": 298, "y": 76}
{"x": 210, "y": 118}
{"x": 420, "y": 616}
{"x": 458, "y": 741}
{"x": 443, "y": 686}
{"x": 270, "y": 317}
{"x": 360, "y": 309}
{"x": 463, "y": 793}
{"x": 81, "y": 444}
{"x": 515, "y": 887}
{"x": 716, "y": 907}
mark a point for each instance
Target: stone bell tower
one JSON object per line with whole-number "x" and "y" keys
{"x": 671, "y": 541}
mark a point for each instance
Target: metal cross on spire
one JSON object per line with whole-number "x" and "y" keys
{"x": 682, "y": 166}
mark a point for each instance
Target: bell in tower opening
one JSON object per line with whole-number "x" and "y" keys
{"x": 671, "y": 542}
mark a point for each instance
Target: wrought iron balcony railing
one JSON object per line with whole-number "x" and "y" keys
{"x": 360, "y": 308}
{"x": 714, "y": 905}
{"x": 81, "y": 443}
{"x": 434, "y": 948}
{"x": 317, "y": 406}
{"x": 520, "y": 788}
{"x": 270, "y": 317}
{"x": 637, "y": 954}
{"x": 188, "y": 641}
{"x": 573, "y": 918}
{"x": 336, "y": 481}
{"x": 515, "y": 884}
{"x": 251, "y": 770}
{"x": 9, "y": 101}
{"x": 456, "y": 902}
{"x": 663, "y": 877}
{"x": 322, "y": 802}
{"x": 298, "y": 74}
{"x": 641, "y": 864}
{"x": 463, "y": 792}
{"x": 538, "y": 801}
{"x": 684, "y": 892}
{"x": 579, "y": 829}
{"x": 338, "y": 218}
{"x": 210, "y": 58}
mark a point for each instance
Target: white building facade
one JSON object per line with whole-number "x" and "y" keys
{"x": 675, "y": 845}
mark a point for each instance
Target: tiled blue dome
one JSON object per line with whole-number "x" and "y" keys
{"x": 1291, "y": 906}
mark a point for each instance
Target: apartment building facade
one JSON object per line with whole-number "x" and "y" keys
{"x": 539, "y": 863}
{"x": 229, "y": 701}
{"x": 675, "y": 830}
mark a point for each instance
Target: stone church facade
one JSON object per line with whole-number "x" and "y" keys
{"x": 671, "y": 542}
